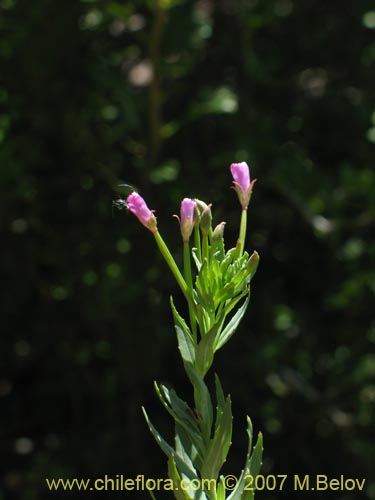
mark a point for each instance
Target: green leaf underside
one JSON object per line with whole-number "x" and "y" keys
{"x": 183, "y": 416}
{"x": 186, "y": 449}
{"x": 179, "y": 494}
{"x": 203, "y": 402}
{"x": 219, "y": 445}
{"x": 187, "y": 470}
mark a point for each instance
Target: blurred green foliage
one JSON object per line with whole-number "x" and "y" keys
{"x": 164, "y": 95}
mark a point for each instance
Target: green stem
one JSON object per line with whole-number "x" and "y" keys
{"x": 205, "y": 247}
{"x": 197, "y": 241}
{"x": 189, "y": 281}
{"x": 172, "y": 265}
{"x": 243, "y": 227}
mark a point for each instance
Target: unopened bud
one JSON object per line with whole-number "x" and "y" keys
{"x": 187, "y": 219}
{"x": 200, "y": 206}
{"x": 241, "y": 181}
{"x": 218, "y": 234}
{"x": 206, "y": 220}
{"x": 139, "y": 208}
{"x": 252, "y": 263}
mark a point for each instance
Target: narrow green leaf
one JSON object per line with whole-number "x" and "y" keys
{"x": 205, "y": 350}
{"x": 231, "y": 304}
{"x": 186, "y": 449}
{"x": 185, "y": 346}
{"x": 232, "y": 325}
{"x": 227, "y": 261}
{"x": 203, "y": 402}
{"x": 204, "y": 287}
{"x": 180, "y": 320}
{"x": 220, "y": 401}
{"x": 252, "y": 465}
{"x": 256, "y": 458}
{"x": 219, "y": 446}
{"x": 179, "y": 494}
{"x": 168, "y": 450}
{"x": 191, "y": 493}
{"x": 185, "y": 340}
{"x": 182, "y": 415}
{"x": 254, "y": 468}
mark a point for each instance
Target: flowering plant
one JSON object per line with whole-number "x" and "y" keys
{"x": 217, "y": 295}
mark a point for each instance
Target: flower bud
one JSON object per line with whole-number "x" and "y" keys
{"x": 200, "y": 206}
{"x": 206, "y": 220}
{"x": 205, "y": 216}
{"x": 187, "y": 218}
{"x": 218, "y": 234}
{"x": 137, "y": 205}
{"x": 241, "y": 181}
{"x": 252, "y": 263}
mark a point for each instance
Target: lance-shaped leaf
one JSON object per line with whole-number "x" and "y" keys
{"x": 205, "y": 350}
{"x": 220, "y": 401}
{"x": 252, "y": 465}
{"x": 203, "y": 402}
{"x": 185, "y": 448}
{"x": 227, "y": 260}
{"x": 182, "y": 415}
{"x": 219, "y": 445}
{"x": 231, "y": 327}
{"x": 185, "y": 468}
{"x": 185, "y": 340}
{"x": 179, "y": 493}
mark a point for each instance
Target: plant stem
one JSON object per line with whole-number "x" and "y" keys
{"x": 243, "y": 227}
{"x": 197, "y": 242}
{"x": 189, "y": 281}
{"x": 172, "y": 266}
{"x": 205, "y": 248}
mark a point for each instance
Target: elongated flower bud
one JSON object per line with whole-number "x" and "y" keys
{"x": 206, "y": 220}
{"x": 205, "y": 216}
{"x": 252, "y": 263}
{"x": 137, "y": 205}
{"x": 187, "y": 218}
{"x": 218, "y": 234}
{"x": 241, "y": 181}
{"x": 200, "y": 206}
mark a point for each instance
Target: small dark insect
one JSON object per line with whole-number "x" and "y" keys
{"x": 120, "y": 204}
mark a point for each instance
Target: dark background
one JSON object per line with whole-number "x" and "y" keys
{"x": 98, "y": 93}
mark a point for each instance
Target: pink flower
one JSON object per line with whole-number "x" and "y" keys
{"x": 241, "y": 181}
{"x": 187, "y": 219}
{"x": 137, "y": 205}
